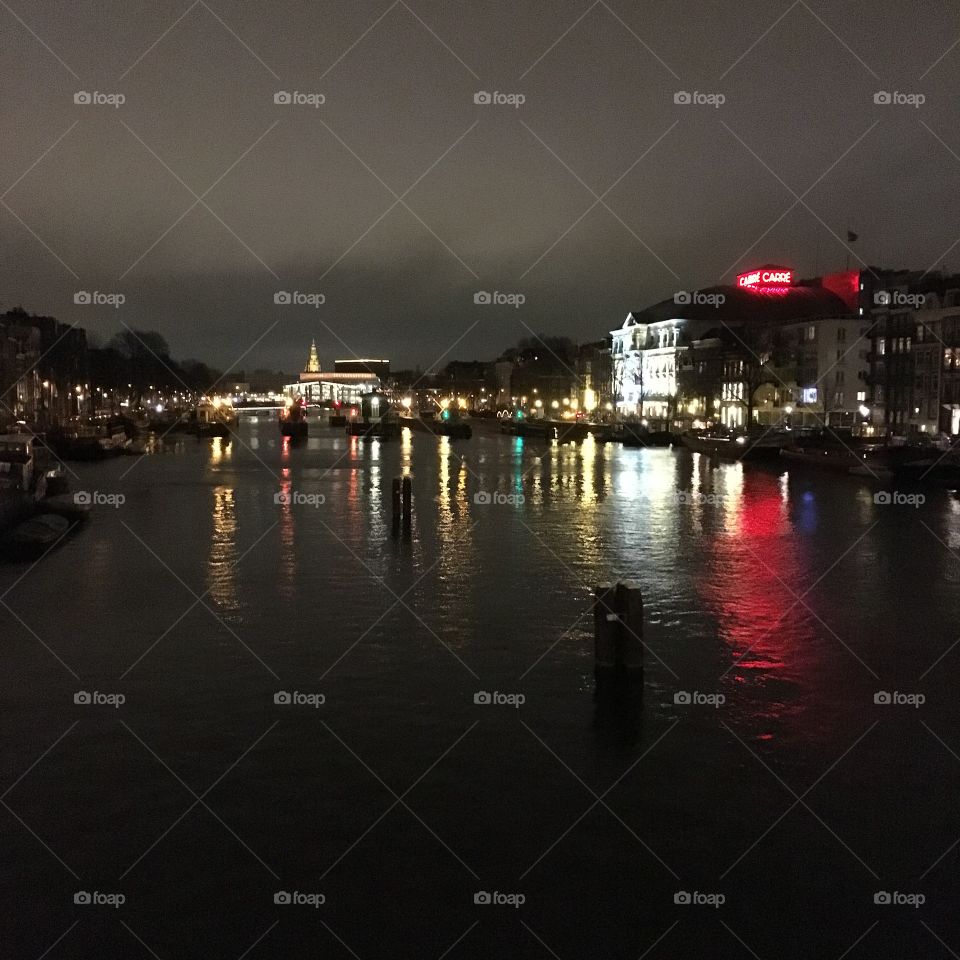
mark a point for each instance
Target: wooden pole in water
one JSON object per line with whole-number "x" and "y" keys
{"x": 604, "y": 629}
{"x": 630, "y": 637}
{"x": 618, "y": 636}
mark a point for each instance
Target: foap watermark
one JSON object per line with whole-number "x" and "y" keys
{"x": 296, "y": 698}
{"x": 897, "y": 298}
{"x": 689, "y": 498}
{"x": 84, "y": 98}
{"x": 699, "y": 899}
{"x": 694, "y": 698}
{"x": 295, "y": 98}
{"x": 486, "y": 898}
{"x": 499, "y": 299}
{"x": 297, "y": 298}
{"x": 894, "y": 498}
{"x": 496, "y": 498}
{"x": 897, "y": 98}
{"x": 294, "y": 498}
{"x": 96, "y": 498}
{"x": 498, "y": 699}
{"x": 296, "y": 898}
{"x": 895, "y": 898}
{"x": 699, "y": 99}
{"x": 97, "y": 898}
{"x": 97, "y": 298}
{"x": 95, "y": 698}
{"x": 497, "y": 99}
{"x": 894, "y": 698}
{"x": 699, "y": 298}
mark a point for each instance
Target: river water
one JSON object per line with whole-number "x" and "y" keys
{"x": 782, "y": 798}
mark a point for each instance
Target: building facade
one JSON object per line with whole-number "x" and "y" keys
{"x": 736, "y": 354}
{"x": 334, "y": 387}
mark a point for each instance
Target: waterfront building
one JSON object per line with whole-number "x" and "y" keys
{"x": 915, "y": 355}
{"x": 338, "y": 386}
{"x": 595, "y": 378}
{"x": 44, "y": 369}
{"x": 376, "y": 368}
{"x": 825, "y": 364}
{"x": 713, "y": 355}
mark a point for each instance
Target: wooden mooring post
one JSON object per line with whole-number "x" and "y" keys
{"x": 618, "y": 637}
{"x": 402, "y": 505}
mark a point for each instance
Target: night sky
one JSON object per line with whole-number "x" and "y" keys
{"x": 492, "y": 196}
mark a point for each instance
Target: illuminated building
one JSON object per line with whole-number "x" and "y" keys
{"x": 714, "y": 355}
{"x": 915, "y": 356}
{"x": 336, "y": 386}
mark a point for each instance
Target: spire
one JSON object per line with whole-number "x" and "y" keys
{"x": 313, "y": 364}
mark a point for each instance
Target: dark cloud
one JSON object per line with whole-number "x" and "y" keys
{"x": 499, "y": 198}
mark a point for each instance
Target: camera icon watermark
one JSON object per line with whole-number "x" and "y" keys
{"x": 485, "y": 699}
{"x": 297, "y": 898}
{"x": 895, "y": 698}
{"x": 897, "y": 298}
{"x": 84, "y": 898}
{"x": 298, "y": 299}
{"x": 96, "y": 498}
{"x": 697, "y": 98}
{"x": 286, "y": 98}
{"x": 486, "y": 898}
{"x": 485, "y": 498}
{"x": 84, "y": 98}
{"x": 698, "y": 298}
{"x": 296, "y": 498}
{"x": 694, "y": 698}
{"x": 295, "y": 698}
{"x": 686, "y": 898}
{"x": 886, "y": 498}
{"x": 484, "y": 98}
{"x": 86, "y": 698}
{"x": 484, "y": 297}
{"x": 887, "y": 898}
{"x": 887, "y": 98}
{"x": 86, "y": 298}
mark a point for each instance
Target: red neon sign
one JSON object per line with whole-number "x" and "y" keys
{"x": 766, "y": 277}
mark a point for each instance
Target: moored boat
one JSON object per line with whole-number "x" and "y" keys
{"x": 452, "y": 426}
{"x": 31, "y": 539}
{"x": 729, "y": 445}
{"x": 212, "y": 418}
{"x": 293, "y": 420}
{"x": 67, "y": 505}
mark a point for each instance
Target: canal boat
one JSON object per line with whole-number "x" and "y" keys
{"x": 212, "y": 418}
{"x": 377, "y": 419}
{"x": 730, "y": 445}
{"x": 85, "y": 442}
{"x": 452, "y": 425}
{"x": 68, "y": 506}
{"x": 17, "y": 477}
{"x": 562, "y": 430}
{"x": 293, "y": 420}
{"x": 32, "y": 538}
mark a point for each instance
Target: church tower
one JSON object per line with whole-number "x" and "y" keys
{"x": 313, "y": 364}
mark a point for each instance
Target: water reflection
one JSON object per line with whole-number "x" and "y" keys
{"x": 753, "y": 574}
{"x": 221, "y": 567}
